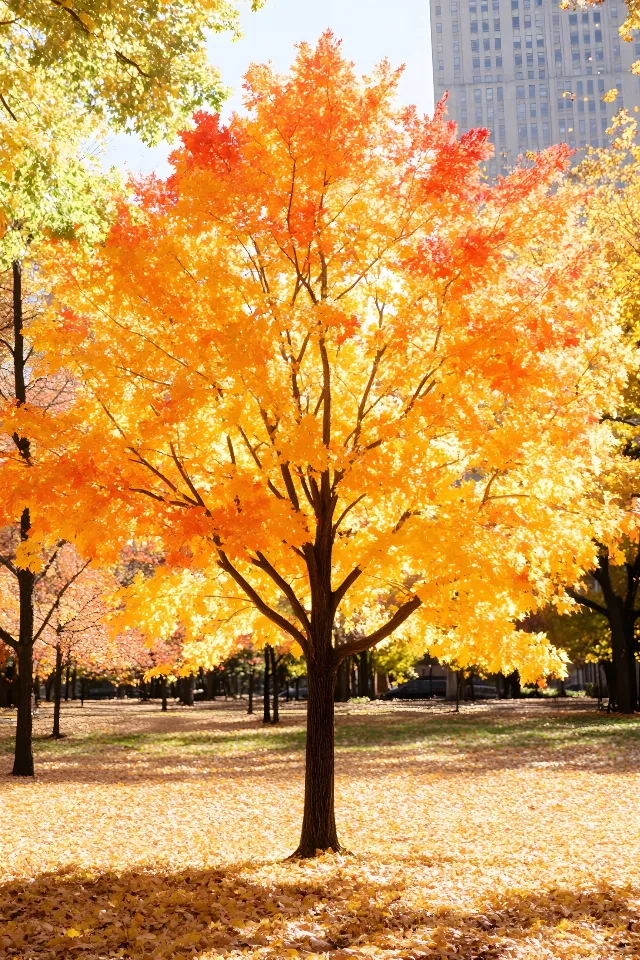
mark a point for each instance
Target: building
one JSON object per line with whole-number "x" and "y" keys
{"x": 532, "y": 73}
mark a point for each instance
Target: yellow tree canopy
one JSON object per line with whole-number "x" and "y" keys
{"x": 332, "y": 371}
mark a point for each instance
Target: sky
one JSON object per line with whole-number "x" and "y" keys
{"x": 370, "y": 30}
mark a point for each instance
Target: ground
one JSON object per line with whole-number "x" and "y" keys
{"x": 507, "y": 831}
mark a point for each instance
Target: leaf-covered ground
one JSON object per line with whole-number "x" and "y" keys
{"x": 499, "y": 833}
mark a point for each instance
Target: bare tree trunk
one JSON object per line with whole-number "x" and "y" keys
{"x": 67, "y": 678}
{"x": 274, "y": 672}
{"x": 251, "y": 679}
{"x": 266, "y": 704}
{"x": 163, "y": 693}
{"x": 57, "y": 693}
{"x": 23, "y": 757}
{"x": 319, "y": 824}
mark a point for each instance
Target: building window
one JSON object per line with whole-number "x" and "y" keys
{"x": 476, "y": 63}
{"x": 438, "y": 11}
{"x": 455, "y": 27}
{"x": 522, "y": 131}
{"x": 519, "y": 92}
{"x": 517, "y": 58}
{"x": 515, "y": 23}
{"x": 522, "y": 111}
{"x": 474, "y": 26}
{"x": 546, "y": 131}
{"x": 438, "y": 28}
{"x": 558, "y": 56}
{"x": 496, "y": 26}
{"x": 497, "y": 43}
{"x": 498, "y": 63}
{"x": 500, "y": 94}
{"x": 475, "y": 46}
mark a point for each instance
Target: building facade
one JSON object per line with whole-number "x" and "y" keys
{"x": 532, "y": 73}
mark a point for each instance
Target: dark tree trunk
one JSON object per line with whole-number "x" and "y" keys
{"x": 74, "y": 677}
{"x": 57, "y": 693}
{"x": 319, "y": 824}
{"x": 163, "y": 693}
{"x": 266, "y": 705}
{"x": 209, "y": 685}
{"x": 23, "y": 758}
{"x": 342, "y": 682}
{"x": 297, "y": 688}
{"x": 83, "y": 690}
{"x": 363, "y": 674}
{"x": 276, "y": 703}
{"x": 251, "y": 678}
{"x": 48, "y": 686}
{"x": 4, "y": 690}
{"x": 512, "y": 684}
{"x": 67, "y": 681}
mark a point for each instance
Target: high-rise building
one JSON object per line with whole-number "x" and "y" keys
{"x": 532, "y": 73}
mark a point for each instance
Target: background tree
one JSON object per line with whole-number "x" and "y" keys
{"x": 128, "y": 62}
{"x": 335, "y": 367}
{"x": 614, "y": 215}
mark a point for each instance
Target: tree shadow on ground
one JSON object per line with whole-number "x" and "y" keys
{"x": 330, "y": 907}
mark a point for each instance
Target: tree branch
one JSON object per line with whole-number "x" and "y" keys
{"x": 259, "y": 603}
{"x": 363, "y": 643}
{"x": 586, "y": 602}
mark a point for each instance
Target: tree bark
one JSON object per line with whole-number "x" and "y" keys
{"x": 23, "y": 757}
{"x": 67, "y": 679}
{"x": 57, "y": 693}
{"x": 274, "y": 672}
{"x": 266, "y": 704}
{"x": 163, "y": 693}
{"x": 319, "y": 823}
{"x": 251, "y": 678}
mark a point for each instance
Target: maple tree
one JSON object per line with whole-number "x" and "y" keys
{"x": 342, "y": 377}
{"x": 613, "y": 591}
{"x": 56, "y": 191}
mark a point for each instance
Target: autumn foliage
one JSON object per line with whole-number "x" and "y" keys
{"x": 341, "y": 379}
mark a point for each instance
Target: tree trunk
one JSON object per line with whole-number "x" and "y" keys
{"x": 23, "y": 757}
{"x": 163, "y": 693}
{"x": 274, "y": 672}
{"x": 297, "y": 688}
{"x": 48, "y": 686}
{"x": 266, "y": 703}
{"x": 251, "y": 678}
{"x": 57, "y": 693}
{"x": 318, "y": 823}
{"x": 623, "y": 661}
{"x": 74, "y": 677}
{"x": 342, "y": 682}
{"x": 83, "y": 690}
{"x": 67, "y": 679}
{"x": 4, "y": 690}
